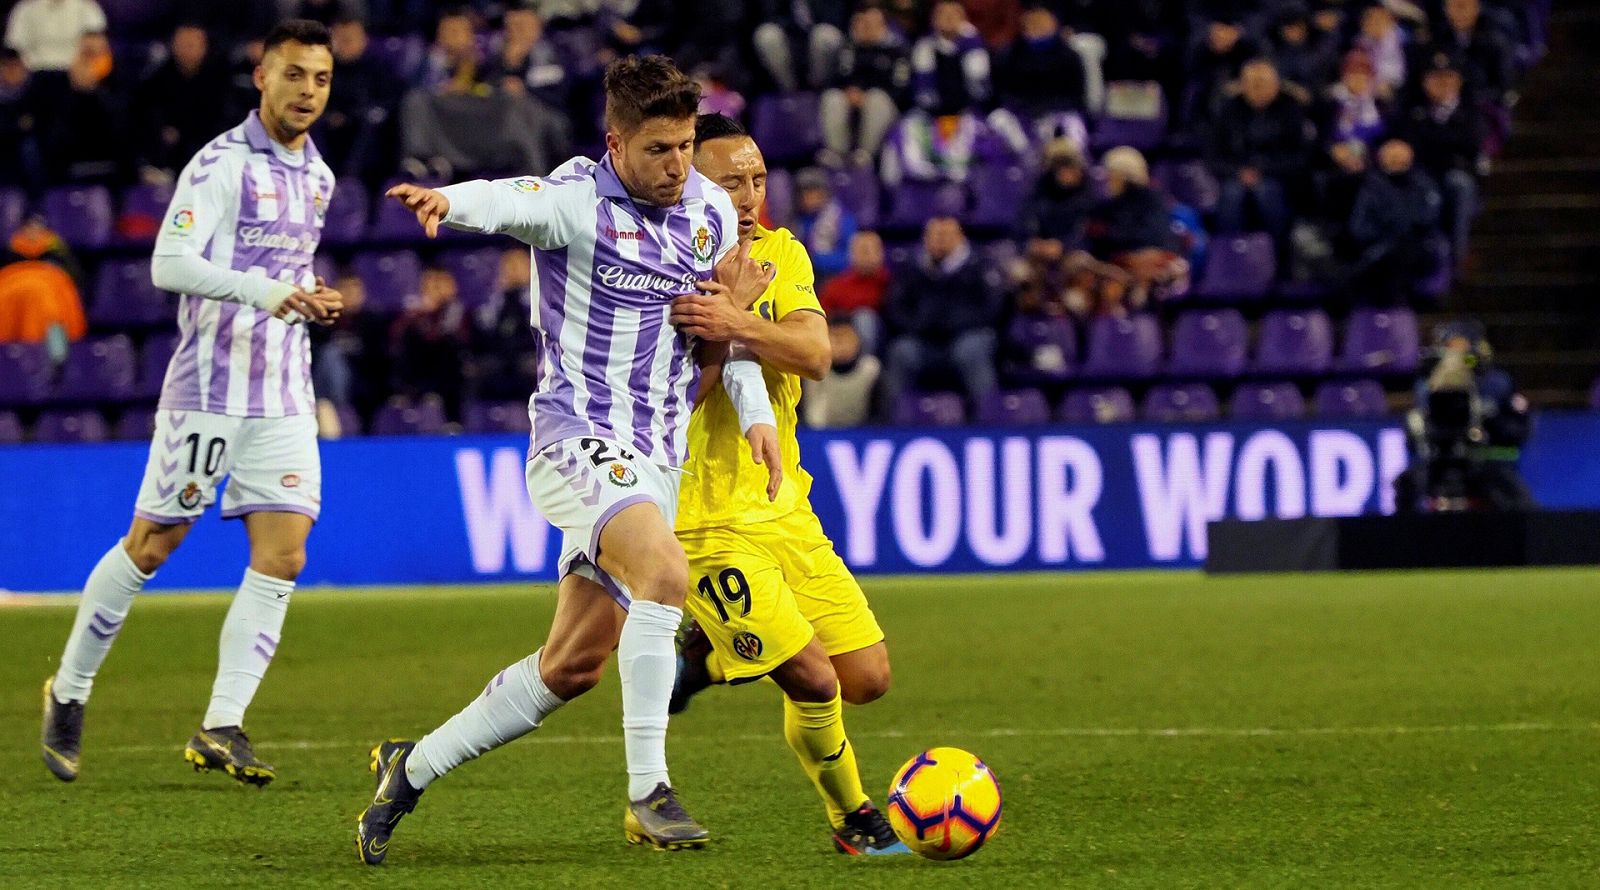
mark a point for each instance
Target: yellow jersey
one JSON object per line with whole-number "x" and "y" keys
{"x": 722, "y": 485}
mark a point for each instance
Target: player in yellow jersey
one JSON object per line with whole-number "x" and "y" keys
{"x": 770, "y": 596}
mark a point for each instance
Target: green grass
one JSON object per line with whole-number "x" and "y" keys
{"x": 1416, "y": 730}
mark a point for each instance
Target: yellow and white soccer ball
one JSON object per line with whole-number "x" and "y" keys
{"x": 944, "y": 803}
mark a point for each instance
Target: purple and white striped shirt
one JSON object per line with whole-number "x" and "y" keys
{"x": 248, "y": 204}
{"x": 605, "y": 271}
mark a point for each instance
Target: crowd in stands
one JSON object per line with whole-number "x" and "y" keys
{"x": 1018, "y": 211}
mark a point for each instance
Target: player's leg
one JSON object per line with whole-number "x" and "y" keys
{"x": 514, "y": 703}
{"x": 863, "y": 673}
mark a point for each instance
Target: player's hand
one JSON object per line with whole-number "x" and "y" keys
{"x": 430, "y": 206}
{"x": 745, "y": 278}
{"x": 711, "y": 315}
{"x": 301, "y": 306}
{"x": 763, "y": 439}
{"x": 331, "y": 300}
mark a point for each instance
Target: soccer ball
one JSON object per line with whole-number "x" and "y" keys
{"x": 944, "y": 803}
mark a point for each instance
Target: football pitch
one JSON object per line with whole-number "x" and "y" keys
{"x": 1148, "y": 730}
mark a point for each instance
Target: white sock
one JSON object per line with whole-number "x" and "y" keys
{"x": 647, "y": 661}
{"x": 107, "y": 596}
{"x": 514, "y": 703}
{"x": 249, "y": 639}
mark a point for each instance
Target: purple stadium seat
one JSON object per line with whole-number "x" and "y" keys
{"x": 930, "y": 409}
{"x": 1382, "y": 341}
{"x": 496, "y": 417}
{"x": 98, "y": 370}
{"x": 1295, "y": 341}
{"x": 391, "y": 221}
{"x": 346, "y": 221}
{"x": 477, "y": 273}
{"x": 788, "y": 127}
{"x": 10, "y": 428}
{"x": 153, "y": 361}
{"x": 392, "y": 279}
{"x": 71, "y": 426}
{"x": 136, "y": 423}
{"x": 911, "y": 204}
{"x": 1209, "y": 343}
{"x": 1238, "y": 267}
{"x": 13, "y": 208}
{"x": 349, "y": 421}
{"x": 124, "y": 296}
{"x": 780, "y": 197}
{"x": 998, "y": 194}
{"x": 857, "y": 188}
{"x": 401, "y": 417}
{"x": 81, "y": 214}
{"x": 1124, "y": 348}
{"x": 1351, "y": 399}
{"x": 25, "y": 372}
{"x": 1167, "y": 402}
{"x": 1267, "y": 401}
{"x": 1041, "y": 348}
{"x": 1111, "y": 404}
{"x": 1017, "y": 408}
{"x": 1136, "y": 115}
{"x": 144, "y": 207}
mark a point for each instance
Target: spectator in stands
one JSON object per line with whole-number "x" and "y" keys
{"x": 812, "y": 28}
{"x": 822, "y": 223}
{"x": 1041, "y": 75}
{"x": 356, "y": 133}
{"x": 1214, "y": 65}
{"x": 717, "y": 95}
{"x": 1447, "y": 136}
{"x": 428, "y": 342}
{"x": 844, "y": 397}
{"x": 1258, "y": 143}
{"x": 19, "y": 121}
{"x": 47, "y": 32}
{"x": 866, "y": 87}
{"x": 1395, "y": 212}
{"x": 1058, "y": 210}
{"x": 182, "y": 105}
{"x": 85, "y": 136}
{"x": 1305, "y": 56}
{"x": 942, "y": 311}
{"x": 1478, "y": 50}
{"x": 455, "y": 63}
{"x": 1133, "y": 229}
{"x": 1355, "y": 115}
{"x": 1384, "y": 43}
{"x": 855, "y": 296}
{"x": 505, "y": 354}
{"x": 951, "y": 79}
{"x": 39, "y": 280}
{"x": 525, "y": 61}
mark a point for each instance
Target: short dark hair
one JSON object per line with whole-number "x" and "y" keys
{"x": 716, "y": 126}
{"x": 642, "y": 87}
{"x": 303, "y": 31}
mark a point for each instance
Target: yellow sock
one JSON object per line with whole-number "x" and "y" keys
{"x": 815, "y": 730}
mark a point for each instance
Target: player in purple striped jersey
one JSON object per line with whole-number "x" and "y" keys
{"x": 614, "y": 242}
{"x": 237, "y": 244}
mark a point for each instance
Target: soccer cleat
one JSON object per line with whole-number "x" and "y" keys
{"x": 394, "y": 798}
{"x": 61, "y": 738}
{"x": 661, "y": 821}
{"x": 227, "y": 748}
{"x": 867, "y": 833}
{"x": 694, "y": 647}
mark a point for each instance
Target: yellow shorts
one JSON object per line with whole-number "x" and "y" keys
{"x": 762, "y": 591}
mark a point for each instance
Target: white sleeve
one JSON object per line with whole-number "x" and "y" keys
{"x": 535, "y": 211}
{"x": 747, "y": 389}
{"x": 207, "y": 192}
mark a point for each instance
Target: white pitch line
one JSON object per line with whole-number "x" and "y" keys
{"x": 1109, "y": 732}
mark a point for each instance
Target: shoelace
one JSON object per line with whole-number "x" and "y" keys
{"x": 671, "y": 809}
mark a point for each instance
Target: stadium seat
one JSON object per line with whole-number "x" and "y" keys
{"x": 788, "y": 127}
{"x": 349, "y": 421}
{"x": 124, "y": 296}
{"x": 780, "y": 197}
{"x": 10, "y": 428}
{"x": 1267, "y": 401}
{"x": 912, "y": 204}
{"x": 391, "y": 221}
{"x": 929, "y": 409}
{"x": 346, "y": 221}
{"x": 1238, "y": 267}
{"x": 392, "y": 279}
{"x": 477, "y": 273}
{"x": 1209, "y": 343}
{"x": 137, "y": 423}
{"x": 1381, "y": 341}
{"x": 998, "y": 194}
{"x": 71, "y": 426}
{"x": 1351, "y": 399}
{"x": 1110, "y": 404}
{"x": 144, "y": 209}
{"x": 1136, "y": 115}
{"x": 1123, "y": 348}
{"x": 13, "y": 209}
{"x": 1169, "y": 402}
{"x": 496, "y": 417}
{"x": 401, "y": 417}
{"x": 153, "y": 361}
{"x": 1021, "y": 407}
{"x": 97, "y": 370}
{"x": 80, "y": 214}
{"x": 1295, "y": 341}
{"x": 25, "y": 372}
{"x": 857, "y": 189}
{"x": 1041, "y": 348}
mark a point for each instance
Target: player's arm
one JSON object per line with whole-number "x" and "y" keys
{"x": 795, "y": 342}
{"x": 747, "y": 389}
{"x": 537, "y": 212}
{"x": 207, "y": 188}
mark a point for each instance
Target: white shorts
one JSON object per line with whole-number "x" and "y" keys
{"x": 579, "y": 484}
{"x": 272, "y": 465}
